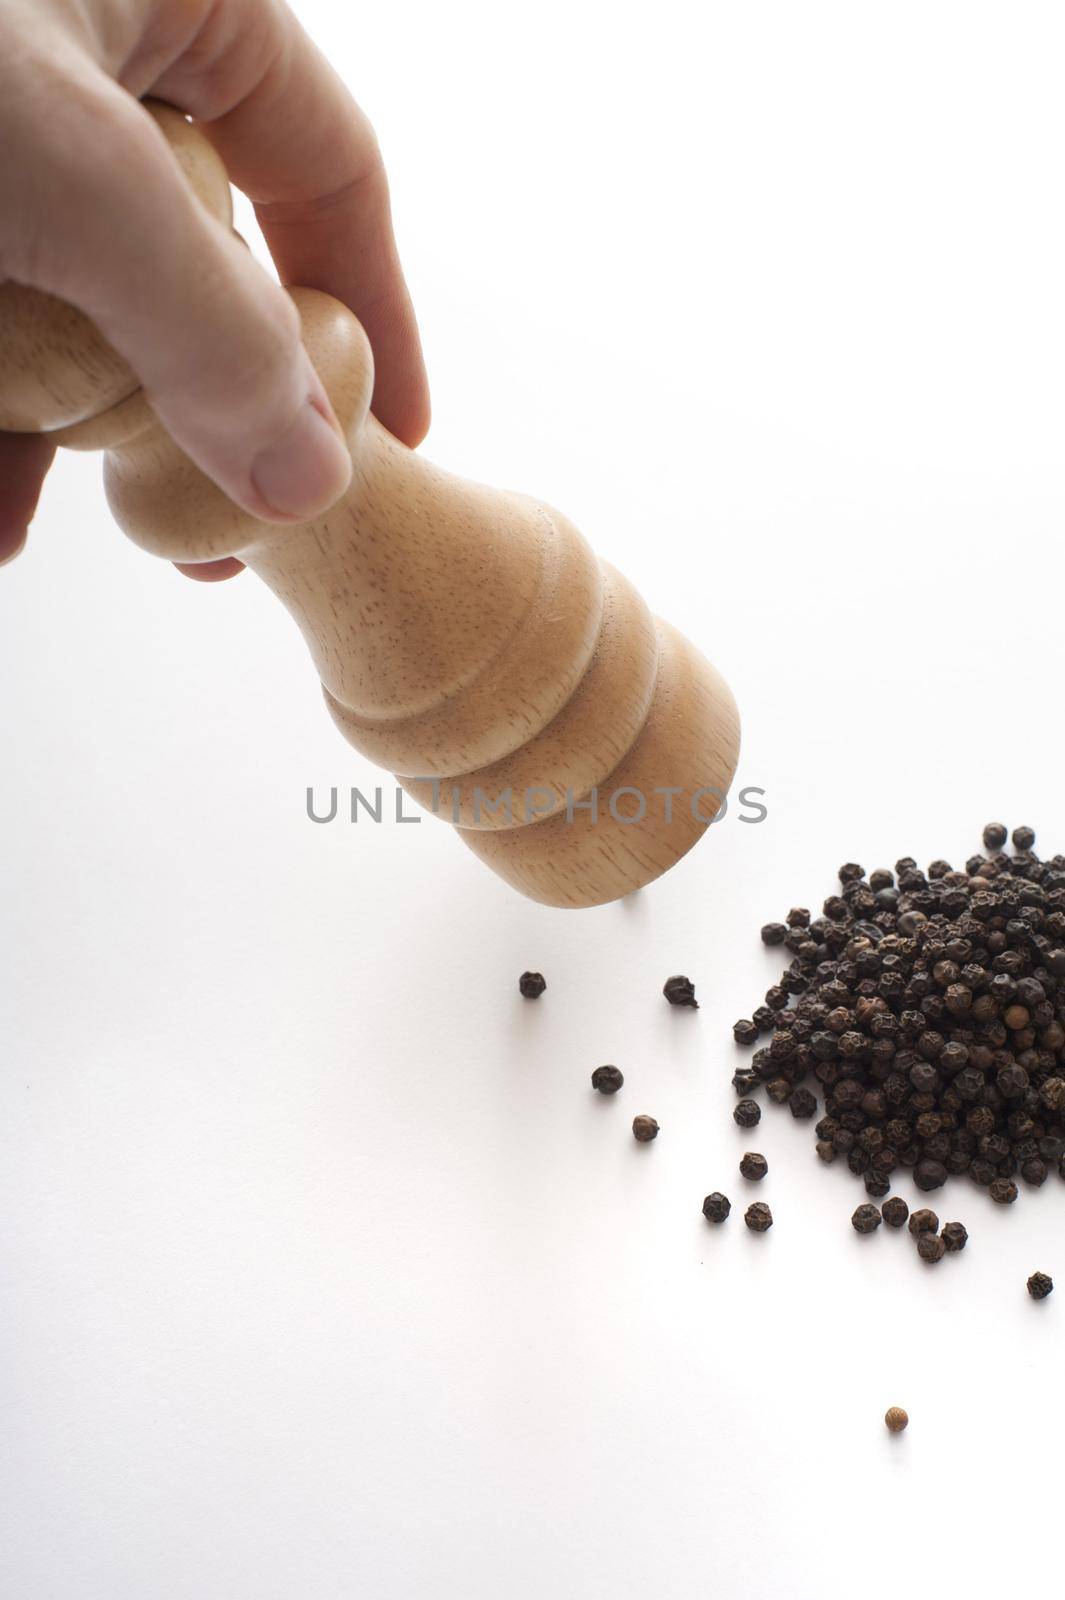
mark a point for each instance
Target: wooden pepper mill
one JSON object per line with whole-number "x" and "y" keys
{"x": 467, "y": 639}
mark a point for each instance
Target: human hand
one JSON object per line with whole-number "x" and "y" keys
{"x": 93, "y": 208}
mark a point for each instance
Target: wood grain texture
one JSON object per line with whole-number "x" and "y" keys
{"x": 466, "y": 638}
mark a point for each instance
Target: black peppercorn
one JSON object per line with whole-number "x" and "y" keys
{"x": 744, "y": 1079}
{"x": 754, "y": 1166}
{"x": 923, "y": 1221}
{"x": 644, "y": 1129}
{"x": 774, "y": 933}
{"x": 955, "y": 1236}
{"x": 930, "y": 1247}
{"x": 758, "y": 1217}
{"x": 607, "y": 1080}
{"x": 745, "y": 1032}
{"x": 680, "y": 991}
{"x": 895, "y": 1211}
{"x": 930, "y": 1019}
{"x": 866, "y": 1219}
{"x": 1040, "y": 1285}
{"x": 929, "y": 1175}
{"x": 801, "y": 1103}
{"x": 748, "y": 1113}
{"x": 1023, "y": 838}
{"x": 716, "y": 1207}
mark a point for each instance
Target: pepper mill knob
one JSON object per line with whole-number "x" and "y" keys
{"x": 466, "y": 638}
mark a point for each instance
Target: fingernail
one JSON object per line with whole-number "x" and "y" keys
{"x": 306, "y": 471}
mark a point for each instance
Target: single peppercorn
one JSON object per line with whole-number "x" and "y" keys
{"x": 923, "y": 1221}
{"x": 995, "y": 835}
{"x": 747, "y": 1113}
{"x": 801, "y": 1103}
{"x": 644, "y": 1129}
{"x": 895, "y": 1211}
{"x": 896, "y": 1419}
{"x": 716, "y": 1207}
{"x": 607, "y": 1080}
{"x": 754, "y": 1166}
{"x": 866, "y": 1219}
{"x": 744, "y": 1079}
{"x": 1023, "y": 838}
{"x": 758, "y": 1217}
{"x": 1040, "y": 1284}
{"x": 1003, "y": 1191}
{"x": 931, "y": 1247}
{"x": 680, "y": 991}
{"x": 774, "y": 933}
{"x": 955, "y": 1236}
{"x": 745, "y": 1031}
{"x": 929, "y": 1174}
{"x": 532, "y": 985}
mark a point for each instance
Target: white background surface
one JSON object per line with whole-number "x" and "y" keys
{"x": 324, "y": 1272}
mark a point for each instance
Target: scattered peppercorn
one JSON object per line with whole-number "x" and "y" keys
{"x": 644, "y": 1129}
{"x": 758, "y": 1217}
{"x": 747, "y": 1113}
{"x": 896, "y": 1419}
{"x": 895, "y": 1211}
{"x": 955, "y": 1236}
{"x": 923, "y": 1221}
{"x": 866, "y": 1219}
{"x": 745, "y": 1032}
{"x": 995, "y": 835}
{"x": 680, "y": 992}
{"x": 1003, "y": 1191}
{"x": 1040, "y": 1285}
{"x": 532, "y": 985}
{"x": 716, "y": 1207}
{"x": 1023, "y": 838}
{"x": 754, "y": 1166}
{"x": 774, "y": 933}
{"x": 607, "y": 1080}
{"x": 931, "y": 1247}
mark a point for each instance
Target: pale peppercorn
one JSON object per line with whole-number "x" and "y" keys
{"x": 923, "y": 1221}
{"x": 896, "y": 1419}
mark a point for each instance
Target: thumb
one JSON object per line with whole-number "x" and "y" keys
{"x": 214, "y": 341}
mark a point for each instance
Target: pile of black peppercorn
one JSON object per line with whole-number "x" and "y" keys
{"x": 928, "y": 1011}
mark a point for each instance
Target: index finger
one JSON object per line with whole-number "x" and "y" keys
{"x": 299, "y": 147}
